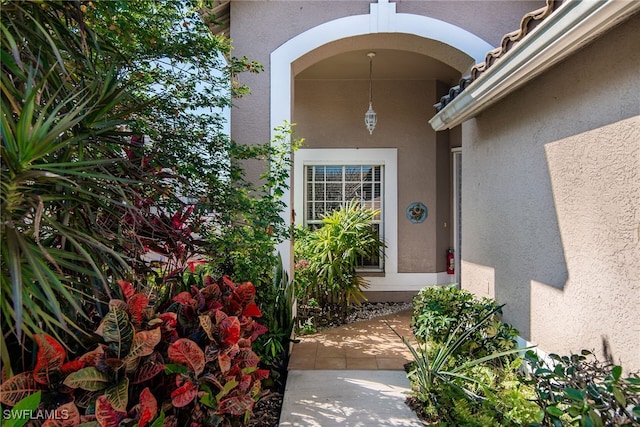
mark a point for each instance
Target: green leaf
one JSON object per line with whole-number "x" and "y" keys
{"x": 118, "y": 395}
{"x": 554, "y": 411}
{"x": 174, "y": 368}
{"x": 230, "y": 385}
{"x": 118, "y": 331}
{"x": 619, "y": 396}
{"x": 90, "y": 379}
{"x": 29, "y": 403}
{"x": 574, "y": 394}
{"x": 206, "y": 400}
{"x": 616, "y": 372}
{"x": 595, "y": 418}
{"x": 159, "y": 422}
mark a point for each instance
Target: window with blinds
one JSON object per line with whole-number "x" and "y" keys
{"x": 328, "y": 187}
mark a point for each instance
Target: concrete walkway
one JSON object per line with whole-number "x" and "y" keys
{"x": 350, "y": 376}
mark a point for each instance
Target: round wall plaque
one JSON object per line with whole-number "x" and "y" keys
{"x": 417, "y": 212}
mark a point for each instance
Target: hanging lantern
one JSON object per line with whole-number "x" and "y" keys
{"x": 370, "y": 117}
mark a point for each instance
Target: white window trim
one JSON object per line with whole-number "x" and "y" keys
{"x": 388, "y": 157}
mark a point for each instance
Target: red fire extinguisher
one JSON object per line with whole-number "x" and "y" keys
{"x": 451, "y": 267}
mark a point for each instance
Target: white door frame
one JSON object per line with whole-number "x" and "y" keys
{"x": 456, "y": 154}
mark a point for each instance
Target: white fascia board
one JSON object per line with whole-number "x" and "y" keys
{"x": 561, "y": 34}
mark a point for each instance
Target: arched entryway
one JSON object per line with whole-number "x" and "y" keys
{"x": 319, "y": 79}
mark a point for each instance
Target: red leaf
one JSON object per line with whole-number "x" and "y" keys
{"x": 136, "y": 305}
{"x": 169, "y": 319}
{"x": 51, "y": 356}
{"x": 237, "y": 405}
{"x": 72, "y": 366}
{"x": 179, "y": 218}
{"x": 17, "y": 388}
{"x": 193, "y": 264}
{"x": 245, "y": 383}
{"x": 220, "y": 316}
{"x": 149, "y": 368}
{"x": 247, "y": 358}
{"x": 127, "y": 288}
{"x": 148, "y": 407}
{"x": 230, "y": 330}
{"x": 245, "y": 293}
{"x": 224, "y": 360}
{"x": 66, "y": 415}
{"x": 184, "y": 394}
{"x": 226, "y": 280}
{"x": 260, "y": 374}
{"x": 93, "y": 357}
{"x": 252, "y": 310}
{"x": 184, "y": 298}
{"x": 106, "y": 415}
{"x": 258, "y": 330}
{"x": 186, "y": 351}
{"x": 212, "y": 293}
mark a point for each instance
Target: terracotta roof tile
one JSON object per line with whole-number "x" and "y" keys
{"x": 528, "y": 23}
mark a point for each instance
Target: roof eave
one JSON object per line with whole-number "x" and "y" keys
{"x": 570, "y": 27}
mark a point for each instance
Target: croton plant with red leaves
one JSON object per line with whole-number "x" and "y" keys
{"x": 190, "y": 365}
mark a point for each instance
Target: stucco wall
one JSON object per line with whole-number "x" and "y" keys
{"x": 330, "y": 114}
{"x": 551, "y": 196}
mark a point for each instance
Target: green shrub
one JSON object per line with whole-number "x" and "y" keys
{"x": 465, "y": 390}
{"x": 580, "y": 390}
{"x": 439, "y": 310}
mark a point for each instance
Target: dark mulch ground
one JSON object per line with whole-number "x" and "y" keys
{"x": 266, "y": 412}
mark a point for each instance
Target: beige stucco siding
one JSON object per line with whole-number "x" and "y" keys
{"x": 551, "y": 193}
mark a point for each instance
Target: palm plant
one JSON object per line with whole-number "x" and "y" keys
{"x": 66, "y": 184}
{"x": 334, "y": 251}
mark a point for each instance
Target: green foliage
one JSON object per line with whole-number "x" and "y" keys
{"x": 277, "y": 315}
{"x": 439, "y": 310}
{"x": 458, "y": 374}
{"x": 250, "y": 224}
{"x": 98, "y": 161}
{"x": 65, "y": 180}
{"x": 187, "y": 78}
{"x": 580, "y": 390}
{"x": 327, "y": 257}
{"x": 16, "y": 416}
{"x": 191, "y": 363}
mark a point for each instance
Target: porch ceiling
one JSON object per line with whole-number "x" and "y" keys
{"x": 388, "y": 64}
